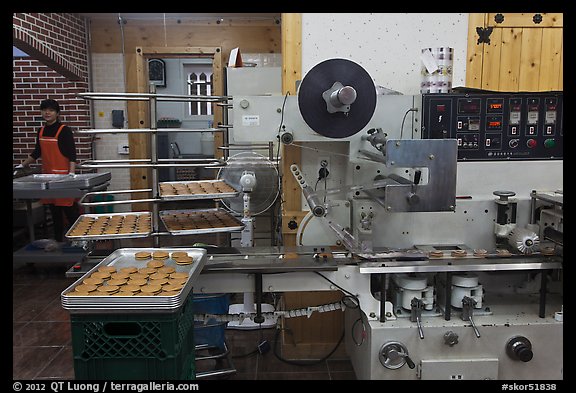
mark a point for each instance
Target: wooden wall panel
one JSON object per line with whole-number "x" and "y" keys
{"x": 526, "y": 20}
{"x": 474, "y": 52}
{"x": 561, "y": 76}
{"x": 530, "y": 59}
{"x": 522, "y": 55}
{"x": 510, "y": 66}
{"x": 491, "y": 64}
{"x": 107, "y": 36}
{"x": 551, "y": 60}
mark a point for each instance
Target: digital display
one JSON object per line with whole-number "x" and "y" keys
{"x": 494, "y": 124}
{"x": 494, "y": 105}
{"x": 469, "y": 106}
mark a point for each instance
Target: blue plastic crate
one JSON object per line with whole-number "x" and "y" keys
{"x": 210, "y": 333}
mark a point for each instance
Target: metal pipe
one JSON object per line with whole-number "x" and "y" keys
{"x": 142, "y": 130}
{"x": 154, "y": 158}
{"x": 148, "y": 96}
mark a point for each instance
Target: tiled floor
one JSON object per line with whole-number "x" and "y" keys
{"x": 42, "y": 347}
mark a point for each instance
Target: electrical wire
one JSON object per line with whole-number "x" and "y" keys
{"x": 360, "y": 317}
{"x": 403, "y": 119}
{"x": 303, "y": 363}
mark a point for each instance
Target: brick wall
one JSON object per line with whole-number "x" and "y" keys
{"x": 34, "y": 82}
{"x": 58, "y": 40}
{"x": 57, "y": 68}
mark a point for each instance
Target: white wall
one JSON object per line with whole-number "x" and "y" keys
{"x": 386, "y": 45}
{"x": 108, "y": 77}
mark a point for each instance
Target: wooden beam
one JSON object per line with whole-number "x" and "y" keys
{"x": 291, "y": 72}
{"x": 526, "y": 20}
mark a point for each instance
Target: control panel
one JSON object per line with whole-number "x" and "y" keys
{"x": 497, "y": 126}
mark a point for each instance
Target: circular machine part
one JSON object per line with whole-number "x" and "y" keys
{"x": 524, "y": 240}
{"x": 313, "y": 107}
{"x": 267, "y": 182}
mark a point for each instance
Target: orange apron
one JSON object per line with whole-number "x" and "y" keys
{"x": 54, "y": 162}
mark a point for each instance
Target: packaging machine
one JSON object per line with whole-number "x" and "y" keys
{"x": 438, "y": 216}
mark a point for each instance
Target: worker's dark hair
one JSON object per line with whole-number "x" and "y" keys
{"x": 50, "y": 104}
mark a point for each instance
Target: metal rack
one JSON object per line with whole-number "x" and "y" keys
{"x": 153, "y": 162}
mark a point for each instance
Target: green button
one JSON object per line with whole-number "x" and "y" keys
{"x": 549, "y": 143}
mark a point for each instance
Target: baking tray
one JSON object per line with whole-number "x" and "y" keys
{"x": 36, "y": 181}
{"x": 109, "y": 236}
{"x": 237, "y": 225}
{"x": 124, "y": 257}
{"x": 82, "y": 180}
{"x": 230, "y": 194}
{"x": 44, "y": 181}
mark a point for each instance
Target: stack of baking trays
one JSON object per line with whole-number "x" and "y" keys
{"x": 132, "y": 315}
{"x": 45, "y": 181}
{"x": 196, "y": 221}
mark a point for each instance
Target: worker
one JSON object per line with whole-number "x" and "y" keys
{"x": 55, "y": 144}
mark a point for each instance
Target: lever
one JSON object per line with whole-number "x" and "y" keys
{"x": 416, "y": 306}
{"x": 468, "y": 304}
{"x": 394, "y": 355}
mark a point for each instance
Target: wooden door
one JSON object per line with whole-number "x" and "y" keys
{"x": 524, "y": 52}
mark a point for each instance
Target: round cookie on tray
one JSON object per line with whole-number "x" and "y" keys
{"x": 184, "y": 260}
{"x": 155, "y": 264}
{"x": 160, "y": 255}
{"x": 150, "y": 289}
{"x": 143, "y": 255}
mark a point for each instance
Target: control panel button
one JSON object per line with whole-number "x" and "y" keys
{"x": 531, "y": 143}
{"x": 549, "y": 143}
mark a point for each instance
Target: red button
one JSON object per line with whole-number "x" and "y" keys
{"x": 531, "y": 143}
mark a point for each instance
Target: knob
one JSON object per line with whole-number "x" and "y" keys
{"x": 519, "y": 348}
{"x": 292, "y": 224}
{"x": 504, "y": 195}
{"x": 450, "y": 338}
{"x": 549, "y": 143}
{"x": 412, "y": 198}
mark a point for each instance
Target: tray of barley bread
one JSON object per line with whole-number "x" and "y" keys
{"x": 108, "y": 226}
{"x": 198, "y": 189}
{"x": 195, "y": 221}
{"x": 136, "y": 280}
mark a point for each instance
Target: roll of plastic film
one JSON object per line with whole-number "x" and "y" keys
{"x": 436, "y": 71}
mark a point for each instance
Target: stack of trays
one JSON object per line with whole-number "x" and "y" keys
{"x": 137, "y": 279}
{"x": 44, "y": 181}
